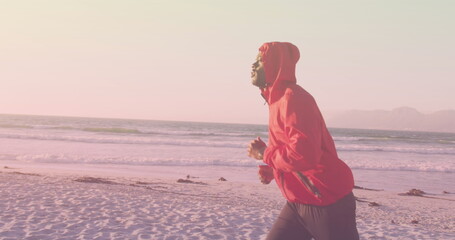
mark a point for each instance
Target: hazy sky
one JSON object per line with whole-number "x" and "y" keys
{"x": 190, "y": 60}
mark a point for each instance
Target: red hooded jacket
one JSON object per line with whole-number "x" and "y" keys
{"x": 301, "y": 150}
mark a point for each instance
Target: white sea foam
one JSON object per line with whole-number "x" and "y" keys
{"x": 235, "y": 141}
{"x": 192, "y": 157}
{"x": 402, "y": 149}
{"x": 113, "y": 139}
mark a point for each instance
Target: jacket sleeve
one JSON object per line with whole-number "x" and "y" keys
{"x": 302, "y": 124}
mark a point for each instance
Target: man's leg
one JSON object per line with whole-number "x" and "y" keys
{"x": 287, "y": 226}
{"x": 333, "y": 222}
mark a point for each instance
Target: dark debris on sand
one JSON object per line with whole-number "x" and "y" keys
{"x": 415, "y": 192}
{"x": 364, "y": 188}
{"x": 373, "y": 204}
{"x": 420, "y": 193}
{"x": 6, "y": 167}
{"x": 180, "y": 180}
{"x": 370, "y": 203}
{"x": 141, "y": 183}
{"x": 95, "y": 180}
{"x": 189, "y": 176}
{"x": 21, "y": 173}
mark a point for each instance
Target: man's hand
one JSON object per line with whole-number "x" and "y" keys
{"x": 265, "y": 174}
{"x": 256, "y": 149}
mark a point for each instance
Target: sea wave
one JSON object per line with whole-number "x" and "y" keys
{"x": 63, "y": 128}
{"x": 228, "y": 142}
{"x": 416, "y": 168}
{"x": 396, "y": 140}
{"x": 127, "y": 160}
{"x": 202, "y": 161}
{"x": 122, "y": 130}
{"x": 112, "y": 130}
{"x": 15, "y": 126}
{"x": 130, "y": 140}
{"x": 375, "y": 139}
{"x": 338, "y": 138}
{"x": 449, "y": 142}
{"x": 398, "y": 149}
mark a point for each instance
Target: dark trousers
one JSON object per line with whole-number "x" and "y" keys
{"x": 303, "y": 222}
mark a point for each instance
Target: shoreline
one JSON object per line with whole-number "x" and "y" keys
{"x": 57, "y": 204}
{"x": 384, "y": 179}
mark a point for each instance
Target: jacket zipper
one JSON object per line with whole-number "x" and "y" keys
{"x": 266, "y": 102}
{"x": 309, "y": 185}
{"x": 282, "y": 184}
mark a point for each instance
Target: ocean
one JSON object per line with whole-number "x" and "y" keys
{"x": 380, "y": 159}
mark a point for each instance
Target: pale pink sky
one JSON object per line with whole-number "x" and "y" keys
{"x": 190, "y": 60}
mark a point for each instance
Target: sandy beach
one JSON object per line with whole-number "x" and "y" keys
{"x": 55, "y": 204}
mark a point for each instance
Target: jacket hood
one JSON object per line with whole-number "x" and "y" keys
{"x": 279, "y": 59}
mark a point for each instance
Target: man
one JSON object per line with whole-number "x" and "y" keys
{"x": 300, "y": 155}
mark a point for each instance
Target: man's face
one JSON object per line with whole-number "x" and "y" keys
{"x": 258, "y": 73}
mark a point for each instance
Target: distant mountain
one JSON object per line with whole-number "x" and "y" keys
{"x": 404, "y": 118}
